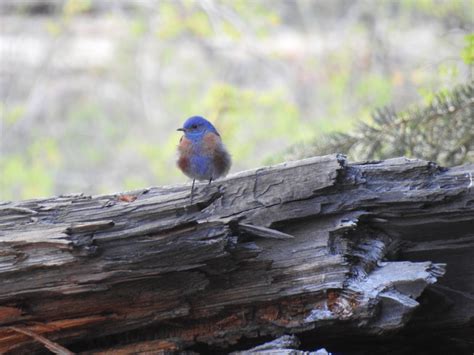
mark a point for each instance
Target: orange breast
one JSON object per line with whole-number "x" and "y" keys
{"x": 183, "y": 164}
{"x": 184, "y": 146}
{"x": 210, "y": 142}
{"x": 184, "y": 150}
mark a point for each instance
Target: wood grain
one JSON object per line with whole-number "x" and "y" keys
{"x": 299, "y": 247}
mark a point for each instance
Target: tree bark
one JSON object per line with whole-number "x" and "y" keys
{"x": 321, "y": 248}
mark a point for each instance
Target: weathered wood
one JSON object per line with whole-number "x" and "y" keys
{"x": 284, "y": 345}
{"x": 313, "y": 244}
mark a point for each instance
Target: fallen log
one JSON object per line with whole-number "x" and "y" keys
{"x": 321, "y": 248}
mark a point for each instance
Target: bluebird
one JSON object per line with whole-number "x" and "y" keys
{"x": 202, "y": 155}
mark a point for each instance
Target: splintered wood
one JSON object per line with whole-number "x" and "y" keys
{"x": 313, "y": 244}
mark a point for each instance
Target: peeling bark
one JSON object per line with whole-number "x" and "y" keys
{"x": 312, "y": 246}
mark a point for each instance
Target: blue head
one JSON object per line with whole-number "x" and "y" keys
{"x": 196, "y": 127}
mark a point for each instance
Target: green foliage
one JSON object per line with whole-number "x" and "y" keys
{"x": 74, "y": 7}
{"x": 261, "y": 118}
{"x": 11, "y": 114}
{"x": 436, "y": 8}
{"x": 375, "y": 88}
{"x": 268, "y": 74}
{"x": 467, "y": 53}
{"x": 181, "y": 18}
{"x": 442, "y": 131}
{"x": 32, "y": 173}
{"x": 178, "y": 20}
{"x": 138, "y": 27}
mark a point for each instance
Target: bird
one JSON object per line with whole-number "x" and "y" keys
{"x": 201, "y": 153}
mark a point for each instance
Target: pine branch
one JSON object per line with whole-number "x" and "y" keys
{"x": 442, "y": 131}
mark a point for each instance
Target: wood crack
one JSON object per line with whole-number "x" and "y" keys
{"x": 318, "y": 244}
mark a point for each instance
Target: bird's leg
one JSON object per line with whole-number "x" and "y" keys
{"x": 210, "y": 180}
{"x": 192, "y": 191}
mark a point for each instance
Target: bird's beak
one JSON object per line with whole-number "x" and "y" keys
{"x": 181, "y": 129}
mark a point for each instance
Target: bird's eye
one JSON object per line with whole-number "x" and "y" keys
{"x": 194, "y": 126}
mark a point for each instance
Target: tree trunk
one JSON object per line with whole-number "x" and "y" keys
{"x": 334, "y": 252}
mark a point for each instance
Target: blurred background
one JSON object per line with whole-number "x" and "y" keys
{"x": 92, "y": 91}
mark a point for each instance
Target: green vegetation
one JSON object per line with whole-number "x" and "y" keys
{"x": 442, "y": 131}
{"x": 271, "y": 75}
{"x": 468, "y": 51}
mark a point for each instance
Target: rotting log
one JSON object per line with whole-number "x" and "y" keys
{"x": 321, "y": 248}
